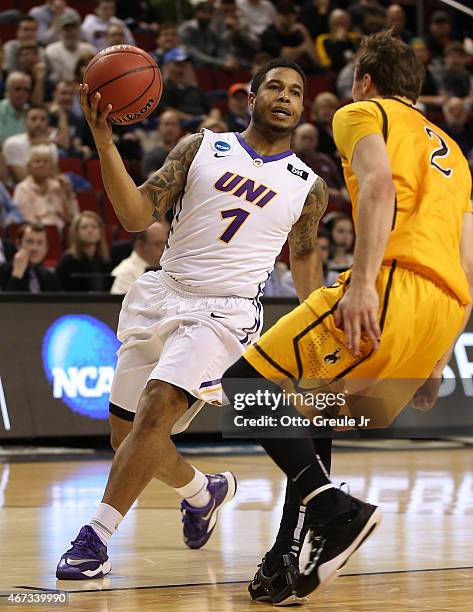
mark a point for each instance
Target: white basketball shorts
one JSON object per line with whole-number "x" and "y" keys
{"x": 183, "y": 338}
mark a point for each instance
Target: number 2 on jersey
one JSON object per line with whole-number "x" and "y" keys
{"x": 239, "y": 217}
{"x": 442, "y": 151}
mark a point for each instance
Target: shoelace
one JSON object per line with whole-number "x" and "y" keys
{"x": 84, "y": 545}
{"x": 190, "y": 518}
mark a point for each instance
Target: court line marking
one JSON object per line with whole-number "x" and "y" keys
{"x": 192, "y": 584}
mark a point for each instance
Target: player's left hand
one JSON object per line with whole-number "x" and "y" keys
{"x": 357, "y": 313}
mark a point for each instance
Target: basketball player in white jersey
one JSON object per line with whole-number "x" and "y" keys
{"x": 236, "y": 199}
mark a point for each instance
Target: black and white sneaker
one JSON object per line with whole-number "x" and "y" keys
{"x": 279, "y": 587}
{"x": 334, "y": 542}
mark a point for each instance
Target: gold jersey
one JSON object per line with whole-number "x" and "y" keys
{"x": 433, "y": 186}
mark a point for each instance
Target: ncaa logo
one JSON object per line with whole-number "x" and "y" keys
{"x": 222, "y": 146}
{"x": 79, "y": 358}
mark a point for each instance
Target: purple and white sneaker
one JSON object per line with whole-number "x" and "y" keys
{"x": 200, "y": 522}
{"x": 86, "y": 559}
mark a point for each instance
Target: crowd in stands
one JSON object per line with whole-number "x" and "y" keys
{"x": 58, "y": 230}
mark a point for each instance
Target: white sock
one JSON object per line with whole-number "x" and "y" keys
{"x": 105, "y": 522}
{"x": 196, "y": 492}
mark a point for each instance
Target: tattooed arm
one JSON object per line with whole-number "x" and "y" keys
{"x": 163, "y": 187}
{"x": 306, "y": 266}
{"x": 138, "y": 207}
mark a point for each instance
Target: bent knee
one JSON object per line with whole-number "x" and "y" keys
{"x": 119, "y": 430}
{"x": 160, "y": 406}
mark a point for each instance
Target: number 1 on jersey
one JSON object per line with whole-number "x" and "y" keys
{"x": 239, "y": 217}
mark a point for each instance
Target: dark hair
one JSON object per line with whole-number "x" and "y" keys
{"x": 33, "y": 107}
{"x": 26, "y": 18}
{"x": 167, "y": 25}
{"x": 35, "y": 227}
{"x": 392, "y": 64}
{"x": 280, "y": 62}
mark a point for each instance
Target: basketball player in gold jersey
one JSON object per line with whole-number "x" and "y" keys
{"x": 391, "y": 321}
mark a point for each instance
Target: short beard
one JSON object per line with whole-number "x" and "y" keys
{"x": 267, "y": 128}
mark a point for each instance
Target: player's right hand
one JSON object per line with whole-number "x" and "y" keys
{"x": 100, "y": 126}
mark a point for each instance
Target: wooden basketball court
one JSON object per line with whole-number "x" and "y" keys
{"x": 420, "y": 559}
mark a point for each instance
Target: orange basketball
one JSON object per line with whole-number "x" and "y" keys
{"x": 127, "y": 78}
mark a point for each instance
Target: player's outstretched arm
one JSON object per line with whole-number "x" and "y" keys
{"x": 306, "y": 265}
{"x": 163, "y": 187}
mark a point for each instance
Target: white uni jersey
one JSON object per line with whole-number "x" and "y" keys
{"x": 234, "y": 216}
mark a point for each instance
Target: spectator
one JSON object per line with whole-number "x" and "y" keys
{"x": 440, "y": 34}
{"x": 289, "y": 38}
{"x": 367, "y": 16}
{"x": 314, "y": 15}
{"x": 139, "y": 14}
{"x": 45, "y": 196}
{"x": 116, "y": 35}
{"x": 48, "y": 17}
{"x": 239, "y": 36}
{"x": 148, "y": 246}
{"x": 396, "y": 20}
{"x": 166, "y": 40}
{"x": 168, "y": 133}
{"x": 62, "y": 109}
{"x": 16, "y": 149}
{"x": 26, "y": 272}
{"x": 454, "y": 78}
{"x": 323, "y": 110}
{"x": 214, "y": 124}
{"x": 457, "y": 125}
{"x": 95, "y": 25}
{"x": 63, "y": 55}
{"x": 9, "y": 212}
{"x": 127, "y": 141}
{"x": 29, "y": 63}
{"x": 304, "y": 143}
{"x": 179, "y": 93}
{"x": 27, "y": 33}
{"x": 257, "y": 14}
{"x": 429, "y": 95}
{"x": 259, "y": 60}
{"x": 3, "y": 74}
{"x": 86, "y": 265}
{"x": 323, "y": 246}
{"x": 336, "y": 48}
{"x": 7, "y": 250}
{"x": 342, "y": 236}
{"x": 205, "y": 42}
{"x": 344, "y": 81}
{"x": 238, "y": 116}
{"x": 79, "y": 72}
{"x": 280, "y": 283}
{"x": 13, "y": 106}
{"x": 170, "y": 10}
